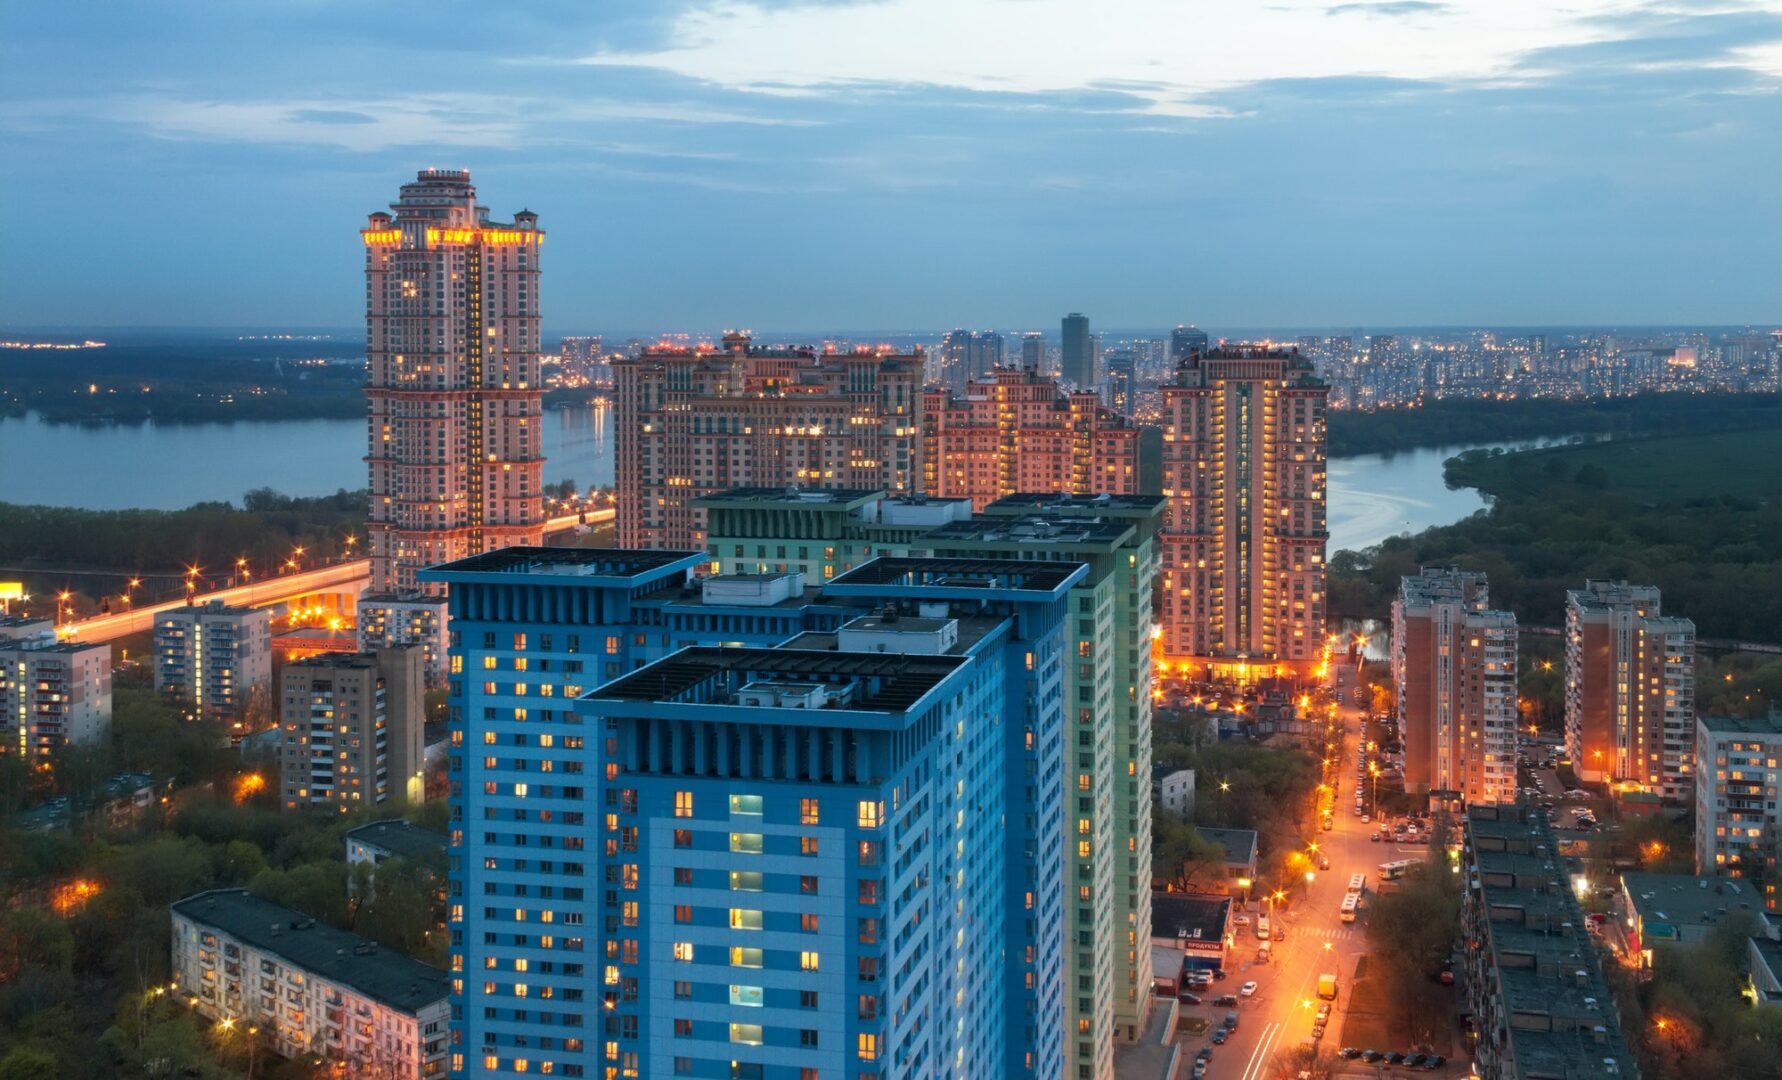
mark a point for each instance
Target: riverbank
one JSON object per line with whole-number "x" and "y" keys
{"x": 1698, "y": 516}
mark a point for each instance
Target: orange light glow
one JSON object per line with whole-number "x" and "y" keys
{"x": 71, "y": 896}
{"x": 374, "y": 237}
{"x": 247, "y": 786}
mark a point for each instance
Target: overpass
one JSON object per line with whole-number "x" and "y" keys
{"x": 340, "y": 577}
{"x": 351, "y": 576}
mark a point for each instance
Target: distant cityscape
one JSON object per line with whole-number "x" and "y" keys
{"x": 966, "y": 704}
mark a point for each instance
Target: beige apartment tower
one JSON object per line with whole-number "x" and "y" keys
{"x": 452, "y": 367}
{"x": 1018, "y": 431}
{"x": 1241, "y": 594}
{"x": 1454, "y": 666}
{"x": 351, "y": 729}
{"x": 1629, "y": 689}
{"x": 694, "y": 421}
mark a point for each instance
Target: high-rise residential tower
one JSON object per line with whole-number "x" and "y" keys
{"x": 452, "y": 376}
{"x": 1454, "y": 666}
{"x": 702, "y": 420}
{"x": 1020, "y": 431}
{"x": 1185, "y": 341}
{"x": 1078, "y": 354}
{"x": 1737, "y": 826}
{"x": 1629, "y": 688}
{"x": 1244, "y": 449}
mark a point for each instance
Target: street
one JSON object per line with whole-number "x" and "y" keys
{"x": 1280, "y": 1017}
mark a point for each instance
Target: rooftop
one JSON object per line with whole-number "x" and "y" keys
{"x": 882, "y": 682}
{"x": 1195, "y": 916}
{"x": 1036, "y": 531}
{"x": 1039, "y": 501}
{"x": 599, "y": 565}
{"x": 401, "y": 598}
{"x": 1688, "y": 900}
{"x": 1770, "y": 725}
{"x": 983, "y": 576}
{"x": 757, "y": 496}
{"x": 1239, "y": 844}
{"x": 376, "y": 972}
{"x": 400, "y": 838}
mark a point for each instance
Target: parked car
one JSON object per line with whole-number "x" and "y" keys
{"x": 1434, "y": 1061}
{"x": 1247, "y": 990}
{"x": 1231, "y": 1021}
{"x": 1225, "y": 1000}
{"x": 1188, "y": 999}
{"x": 1317, "y": 1031}
{"x": 1416, "y": 1061}
{"x": 1219, "y": 1036}
{"x": 1349, "y": 1053}
{"x": 1324, "y": 1012}
{"x": 1371, "y": 1056}
{"x": 1397, "y": 1057}
{"x": 1374, "y": 836}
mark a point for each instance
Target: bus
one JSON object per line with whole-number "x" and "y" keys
{"x": 1350, "y": 902}
{"x": 1358, "y": 883}
{"x": 1392, "y": 871}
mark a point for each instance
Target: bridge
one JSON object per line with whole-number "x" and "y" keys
{"x": 352, "y": 576}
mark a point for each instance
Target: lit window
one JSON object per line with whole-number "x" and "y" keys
{"x": 683, "y": 804}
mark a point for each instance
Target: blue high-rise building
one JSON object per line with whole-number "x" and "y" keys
{"x": 843, "y": 854}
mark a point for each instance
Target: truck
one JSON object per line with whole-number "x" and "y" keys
{"x": 1327, "y": 987}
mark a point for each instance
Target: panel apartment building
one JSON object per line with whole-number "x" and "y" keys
{"x": 1736, "y": 822}
{"x": 1243, "y": 571}
{"x": 796, "y": 867}
{"x": 1534, "y": 988}
{"x": 213, "y": 655}
{"x": 53, "y": 693}
{"x": 351, "y": 730}
{"x": 1629, "y": 688}
{"x": 315, "y": 990}
{"x": 700, "y": 420}
{"x": 1019, "y": 431}
{"x": 1454, "y": 667}
{"x": 818, "y": 533}
{"x": 456, "y": 439}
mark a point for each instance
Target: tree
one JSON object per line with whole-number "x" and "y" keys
{"x": 29, "y": 1063}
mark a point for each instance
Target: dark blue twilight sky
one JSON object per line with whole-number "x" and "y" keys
{"x": 910, "y": 163}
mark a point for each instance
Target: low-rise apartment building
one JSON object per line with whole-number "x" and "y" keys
{"x": 316, "y": 990}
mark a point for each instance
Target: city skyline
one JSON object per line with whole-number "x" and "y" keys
{"x": 1480, "y": 164}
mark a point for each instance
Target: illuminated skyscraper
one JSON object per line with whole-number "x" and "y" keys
{"x": 1244, "y": 452}
{"x": 1019, "y": 431}
{"x": 452, "y": 367}
{"x": 1454, "y": 667}
{"x": 1629, "y": 688}
{"x": 702, "y": 420}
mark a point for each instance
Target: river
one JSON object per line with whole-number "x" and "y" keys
{"x": 166, "y": 467}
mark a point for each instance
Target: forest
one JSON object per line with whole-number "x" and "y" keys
{"x": 1699, "y": 516}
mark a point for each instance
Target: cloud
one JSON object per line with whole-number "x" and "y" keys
{"x": 332, "y": 116}
{"x": 1393, "y": 8}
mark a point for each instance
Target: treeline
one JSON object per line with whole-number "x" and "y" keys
{"x": 212, "y": 535}
{"x": 1626, "y": 514}
{"x": 185, "y": 381}
{"x": 1463, "y": 421}
{"x": 78, "y": 968}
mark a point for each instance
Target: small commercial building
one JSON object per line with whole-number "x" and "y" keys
{"x": 1188, "y": 932}
{"x": 1240, "y": 855}
{"x": 1683, "y": 909}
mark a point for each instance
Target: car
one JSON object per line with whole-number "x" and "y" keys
{"x": 1248, "y": 989}
{"x": 1415, "y": 1061}
{"x": 1329, "y": 824}
{"x": 1324, "y": 862}
{"x": 1349, "y": 1053}
{"x": 1218, "y": 974}
{"x": 1219, "y": 1036}
{"x": 1280, "y": 934}
{"x": 1188, "y": 999}
{"x": 1371, "y": 1056}
{"x": 1374, "y": 836}
{"x": 1231, "y": 1021}
{"x": 1365, "y": 819}
{"x": 1446, "y": 978}
{"x": 1317, "y": 1031}
{"x": 1397, "y": 1057}
{"x": 1324, "y": 1012}
{"x": 1240, "y": 919}
{"x": 1434, "y": 1061}
{"x": 1200, "y": 1069}
{"x": 1225, "y": 1000}
{"x": 1206, "y": 1054}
